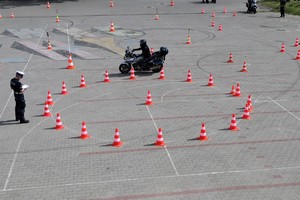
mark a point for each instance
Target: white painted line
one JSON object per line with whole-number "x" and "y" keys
{"x": 284, "y": 108}
{"x": 15, "y": 156}
{"x": 174, "y": 167}
{"x": 151, "y": 178}
{"x": 68, "y": 39}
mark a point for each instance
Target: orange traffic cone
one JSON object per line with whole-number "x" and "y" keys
{"x": 234, "y": 14}
{"x": 244, "y": 67}
{"x": 70, "y": 63}
{"x": 64, "y": 89}
{"x": 213, "y": 23}
{"x": 162, "y": 74}
{"x": 132, "y": 75}
{"x": 57, "y": 19}
{"x": 189, "y": 40}
{"x": 49, "y": 99}
{"x": 49, "y": 45}
{"x": 82, "y": 82}
{"x": 237, "y": 90}
{"x": 249, "y": 102}
{"x": 46, "y": 110}
{"x": 224, "y": 10}
{"x": 0, "y": 16}
{"x": 117, "y": 140}
{"x": 48, "y": 4}
{"x": 213, "y": 14}
{"x": 210, "y": 81}
{"x": 84, "y": 134}
{"x": 12, "y": 15}
{"x": 298, "y": 55}
{"x": 203, "y": 133}
{"x": 106, "y": 77}
{"x": 111, "y": 4}
{"x": 151, "y": 51}
{"x": 232, "y": 90}
{"x": 172, "y": 3}
{"x": 149, "y": 99}
{"x": 230, "y": 58}
{"x": 112, "y": 27}
{"x": 160, "y": 139}
{"x": 296, "y": 42}
{"x": 246, "y": 114}
{"x": 156, "y": 17}
{"x": 189, "y": 77}
{"x": 58, "y": 122}
{"x": 202, "y": 11}
{"x": 220, "y": 27}
{"x": 282, "y": 48}
{"x": 233, "y": 125}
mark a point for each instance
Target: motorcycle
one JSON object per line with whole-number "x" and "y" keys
{"x": 252, "y": 6}
{"x": 154, "y": 63}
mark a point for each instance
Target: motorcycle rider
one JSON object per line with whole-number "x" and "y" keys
{"x": 145, "y": 55}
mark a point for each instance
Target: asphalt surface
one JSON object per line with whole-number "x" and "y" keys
{"x": 260, "y": 161}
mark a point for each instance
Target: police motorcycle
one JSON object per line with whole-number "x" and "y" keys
{"x": 154, "y": 63}
{"x": 252, "y": 6}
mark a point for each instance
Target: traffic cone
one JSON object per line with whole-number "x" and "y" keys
{"x": 48, "y": 4}
{"x": 49, "y": 99}
{"x": 132, "y": 75}
{"x": 82, "y": 82}
{"x": 298, "y": 55}
{"x": 296, "y": 43}
{"x": 0, "y": 16}
{"x": 230, "y": 58}
{"x": 58, "y": 122}
{"x": 213, "y": 23}
{"x": 189, "y": 77}
{"x": 246, "y": 114}
{"x": 220, "y": 27}
{"x": 233, "y": 125}
{"x": 12, "y": 15}
{"x": 111, "y": 4}
{"x": 234, "y": 14}
{"x": 172, "y": 3}
{"x": 156, "y": 17}
{"x": 203, "y": 133}
{"x": 70, "y": 63}
{"x": 282, "y": 48}
{"x": 232, "y": 90}
{"x": 112, "y": 27}
{"x": 46, "y": 110}
{"x": 117, "y": 140}
{"x": 151, "y": 51}
{"x": 149, "y": 99}
{"x": 237, "y": 90}
{"x": 213, "y": 14}
{"x": 49, "y": 45}
{"x": 64, "y": 89}
{"x": 84, "y": 134}
{"x": 244, "y": 67}
{"x": 202, "y": 11}
{"x": 160, "y": 139}
{"x": 210, "y": 81}
{"x": 106, "y": 77}
{"x": 249, "y": 102}
{"x": 224, "y": 10}
{"x": 162, "y": 74}
{"x": 189, "y": 40}
{"x": 57, "y": 19}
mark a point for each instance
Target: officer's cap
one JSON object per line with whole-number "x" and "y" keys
{"x": 20, "y": 73}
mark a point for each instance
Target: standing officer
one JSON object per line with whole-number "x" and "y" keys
{"x": 19, "y": 90}
{"x": 282, "y": 8}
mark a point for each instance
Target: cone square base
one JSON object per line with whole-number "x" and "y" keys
{"x": 246, "y": 117}
{"x": 237, "y": 95}
{"x": 233, "y": 128}
{"x": 84, "y": 137}
{"x": 157, "y": 143}
{"x": 64, "y": 93}
{"x": 117, "y": 144}
{"x": 189, "y": 81}
{"x": 188, "y": 43}
{"x": 71, "y": 67}
{"x": 149, "y": 103}
{"x": 83, "y": 86}
{"x": 282, "y": 51}
{"x": 203, "y": 138}
{"x": 47, "y": 115}
{"x": 106, "y": 81}
{"x": 132, "y": 78}
{"x": 210, "y": 85}
{"x": 161, "y": 78}
{"x": 59, "y": 127}
{"x": 50, "y": 103}
{"x": 244, "y": 70}
{"x": 230, "y": 61}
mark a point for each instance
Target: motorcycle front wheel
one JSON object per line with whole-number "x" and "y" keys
{"x": 158, "y": 68}
{"x": 254, "y": 10}
{"x": 124, "y": 69}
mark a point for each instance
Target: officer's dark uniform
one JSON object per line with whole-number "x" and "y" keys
{"x": 16, "y": 85}
{"x": 282, "y": 8}
{"x": 145, "y": 51}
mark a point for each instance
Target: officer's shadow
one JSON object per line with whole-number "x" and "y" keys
{"x": 9, "y": 122}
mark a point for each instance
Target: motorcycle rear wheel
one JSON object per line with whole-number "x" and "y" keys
{"x": 124, "y": 69}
